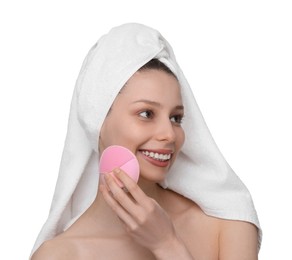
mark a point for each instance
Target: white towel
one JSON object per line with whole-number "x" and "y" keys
{"x": 200, "y": 172}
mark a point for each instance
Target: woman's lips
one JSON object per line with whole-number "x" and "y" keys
{"x": 160, "y": 158}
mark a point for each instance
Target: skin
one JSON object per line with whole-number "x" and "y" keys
{"x": 148, "y": 222}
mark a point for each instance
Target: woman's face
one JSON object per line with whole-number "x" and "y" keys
{"x": 146, "y": 118}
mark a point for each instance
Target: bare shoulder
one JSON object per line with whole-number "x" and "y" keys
{"x": 55, "y": 249}
{"x": 238, "y": 239}
{"x": 187, "y": 208}
{"x": 216, "y": 238}
{"x": 177, "y": 203}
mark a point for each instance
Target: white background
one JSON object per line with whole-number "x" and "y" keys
{"x": 235, "y": 54}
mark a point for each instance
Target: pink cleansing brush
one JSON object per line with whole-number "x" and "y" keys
{"x": 116, "y": 156}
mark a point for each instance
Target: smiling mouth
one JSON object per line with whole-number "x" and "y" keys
{"x": 162, "y": 157}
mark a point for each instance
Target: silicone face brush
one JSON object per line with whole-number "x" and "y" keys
{"x": 116, "y": 156}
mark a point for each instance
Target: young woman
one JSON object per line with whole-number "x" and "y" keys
{"x": 187, "y": 204}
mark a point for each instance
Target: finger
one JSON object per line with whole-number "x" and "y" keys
{"x": 122, "y": 214}
{"x": 120, "y": 196}
{"x": 131, "y": 186}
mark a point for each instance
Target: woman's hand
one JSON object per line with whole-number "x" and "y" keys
{"x": 145, "y": 221}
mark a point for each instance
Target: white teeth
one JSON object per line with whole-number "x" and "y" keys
{"x": 157, "y": 156}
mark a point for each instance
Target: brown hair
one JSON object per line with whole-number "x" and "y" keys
{"x": 156, "y": 64}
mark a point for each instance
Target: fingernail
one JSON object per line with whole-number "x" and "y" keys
{"x": 117, "y": 170}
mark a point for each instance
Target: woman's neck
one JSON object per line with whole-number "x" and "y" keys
{"x": 150, "y": 189}
{"x": 104, "y": 219}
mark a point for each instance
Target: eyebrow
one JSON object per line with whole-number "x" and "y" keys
{"x": 157, "y": 104}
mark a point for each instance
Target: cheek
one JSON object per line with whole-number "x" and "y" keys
{"x": 131, "y": 134}
{"x": 107, "y": 133}
{"x": 180, "y": 138}
{"x": 119, "y": 132}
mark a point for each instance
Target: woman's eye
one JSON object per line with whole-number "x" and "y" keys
{"x": 177, "y": 119}
{"x": 146, "y": 114}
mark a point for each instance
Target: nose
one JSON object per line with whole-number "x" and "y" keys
{"x": 165, "y": 131}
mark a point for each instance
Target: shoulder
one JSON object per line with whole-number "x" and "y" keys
{"x": 55, "y": 249}
{"x": 186, "y": 208}
{"x": 238, "y": 239}
{"x": 176, "y": 203}
{"x": 233, "y": 239}
{"x": 190, "y": 217}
